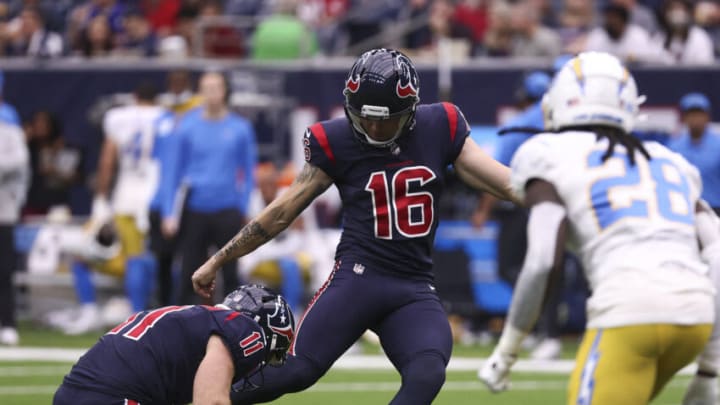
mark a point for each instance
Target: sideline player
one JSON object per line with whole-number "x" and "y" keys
{"x": 183, "y": 354}
{"x": 388, "y": 159}
{"x": 128, "y": 149}
{"x": 630, "y": 209}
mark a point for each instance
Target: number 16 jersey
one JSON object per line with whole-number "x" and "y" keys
{"x": 390, "y": 195}
{"x": 632, "y": 224}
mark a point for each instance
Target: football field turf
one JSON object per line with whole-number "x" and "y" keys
{"x": 33, "y": 382}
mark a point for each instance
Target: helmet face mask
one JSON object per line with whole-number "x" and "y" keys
{"x": 593, "y": 88}
{"x": 272, "y": 312}
{"x": 381, "y": 94}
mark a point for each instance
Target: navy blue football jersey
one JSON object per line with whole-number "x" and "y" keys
{"x": 390, "y": 195}
{"x": 153, "y": 356}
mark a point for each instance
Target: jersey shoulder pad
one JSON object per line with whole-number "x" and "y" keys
{"x": 535, "y": 159}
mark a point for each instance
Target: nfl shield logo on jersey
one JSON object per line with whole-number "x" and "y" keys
{"x": 358, "y": 268}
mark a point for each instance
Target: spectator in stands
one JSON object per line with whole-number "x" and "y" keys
{"x": 471, "y": 16}
{"x": 619, "y": 37}
{"x": 575, "y": 22}
{"x": 325, "y": 16}
{"x": 499, "y": 36}
{"x": 707, "y": 16}
{"x": 367, "y": 19}
{"x": 640, "y": 14}
{"x": 680, "y": 39}
{"x": 219, "y": 39}
{"x": 283, "y": 36}
{"x": 531, "y": 39}
{"x": 96, "y": 39}
{"x": 138, "y": 39}
{"x": 161, "y": 15}
{"x": 8, "y": 114}
{"x": 14, "y": 180}
{"x": 29, "y": 36}
{"x": 84, "y": 14}
{"x": 213, "y": 158}
{"x": 55, "y": 165}
{"x": 699, "y": 144}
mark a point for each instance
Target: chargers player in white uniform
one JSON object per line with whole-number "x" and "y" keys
{"x": 633, "y": 213}
{"x": 127, "y": 149}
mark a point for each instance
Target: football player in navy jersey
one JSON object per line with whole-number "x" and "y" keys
{"x": 388, "y": 158}
{"x": 183, "y": 354}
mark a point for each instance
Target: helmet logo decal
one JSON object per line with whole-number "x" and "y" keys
{"x": 407, "y": 85}
{"x": 352, "y": 84}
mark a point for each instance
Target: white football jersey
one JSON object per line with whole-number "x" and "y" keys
{"x": 132, "y": 128}
{"x": 632, "y": 226}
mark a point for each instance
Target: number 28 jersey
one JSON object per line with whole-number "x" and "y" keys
{"x": 632, "y": 225}
{"x": 390, "y": 195}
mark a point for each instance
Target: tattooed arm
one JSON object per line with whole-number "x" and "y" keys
{"x": 310, "y": 183}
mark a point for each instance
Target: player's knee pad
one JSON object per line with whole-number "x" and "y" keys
{"x": 304, "y": 374}
{"x": 424, "y": 370}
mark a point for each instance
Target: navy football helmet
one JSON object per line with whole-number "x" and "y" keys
{"x": 272, "y": 312}
{"x": 381, "y": 92}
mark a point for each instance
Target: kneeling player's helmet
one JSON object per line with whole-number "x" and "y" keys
{"x": 381, "y": 85}
{"x": 272, "y": 312}
{"x": 593, "y": 88}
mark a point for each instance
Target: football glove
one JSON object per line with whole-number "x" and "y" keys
{"x": 703, "y": 390}
{"x": 495, "y": 373}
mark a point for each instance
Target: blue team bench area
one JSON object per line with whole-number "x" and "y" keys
{"x": 465, "y": 269}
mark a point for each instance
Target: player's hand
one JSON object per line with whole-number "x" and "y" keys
{"x": 495, "y": 373}
{"x": 169, "y": 227}
{"x": 100, "y": 212}
{"x": 203, "y": 279}
{"x": 703, "y": 390}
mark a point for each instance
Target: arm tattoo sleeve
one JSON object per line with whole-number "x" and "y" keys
{"x": 252, "y": 235}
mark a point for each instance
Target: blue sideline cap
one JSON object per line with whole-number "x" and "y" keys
{"x": 694, "y": 101}
{"x": 535, "y": 85}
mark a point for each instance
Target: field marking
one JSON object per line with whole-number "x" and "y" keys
{"x": 330, "y": 387}
{"x": 346, "y": 362}
{"x": 33, "y": 371}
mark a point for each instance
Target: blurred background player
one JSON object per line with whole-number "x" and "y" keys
{"x": 630, "y": 210}
{"x": 512, "y": 219}
{"x": 8, "y": 114}
{"x": 128, "y": 150}
{"x": 14, "y": 184}
{"x": 699, "y": 144}
{"x": 198, "y": 352}
{"x": 213, "y": 158}
{"x": 178, "y": 99}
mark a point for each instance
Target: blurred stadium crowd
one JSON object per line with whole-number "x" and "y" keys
{"x": 655, "y": 31}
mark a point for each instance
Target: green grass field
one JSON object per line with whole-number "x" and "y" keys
{"x": 31, "y": 383}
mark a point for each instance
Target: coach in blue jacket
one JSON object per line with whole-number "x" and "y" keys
{"x": 210, "y": 170}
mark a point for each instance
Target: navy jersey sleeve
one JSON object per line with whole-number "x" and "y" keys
{"x": 245, "y": 339}
{"x": 458, "y": 128}
{"x": 318, "y": 151}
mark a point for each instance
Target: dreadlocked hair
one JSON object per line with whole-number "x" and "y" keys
{"x": 615, "y": 136}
